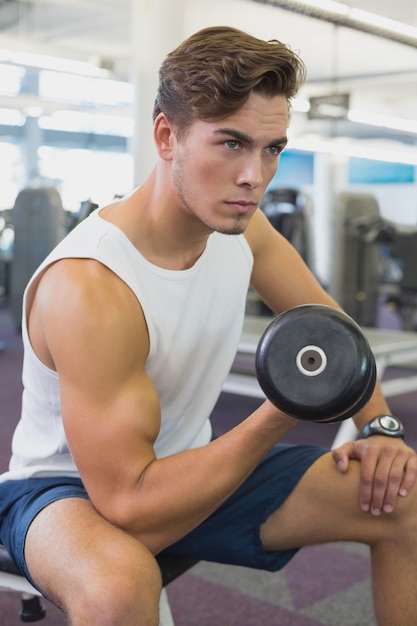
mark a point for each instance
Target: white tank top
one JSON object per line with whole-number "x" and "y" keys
{"x": 194, "y": 319}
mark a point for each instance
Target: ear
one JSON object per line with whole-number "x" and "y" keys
{"x": 164, "y": 137}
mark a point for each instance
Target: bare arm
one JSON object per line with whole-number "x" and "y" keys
{"x": 88, "y": 325}
{"x": 283, "y": 281}
{"x": 281, "y": 278}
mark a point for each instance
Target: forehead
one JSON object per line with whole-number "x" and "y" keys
{"x": 260, "y": 115}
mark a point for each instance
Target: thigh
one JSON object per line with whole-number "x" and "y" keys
{"x": 72, "y": 553}
{"x": 323, "y": 507}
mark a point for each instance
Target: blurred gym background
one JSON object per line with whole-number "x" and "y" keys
{"x": 77, "y": 83}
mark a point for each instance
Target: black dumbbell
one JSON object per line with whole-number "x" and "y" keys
{"x": 314, "y": 363}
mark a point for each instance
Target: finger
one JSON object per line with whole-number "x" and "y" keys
{"x": 387, "y": 480}
{"x": 341, "y": 459}
{"x": 389, "y": 472}
{"x": 410, "y": 476}
{"x": 371, "y": 490}
{"x": 342, "y": 455}
{"x": 395, "y": 477}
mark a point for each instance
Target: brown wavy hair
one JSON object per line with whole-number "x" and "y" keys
{"x": 212, "y": 74}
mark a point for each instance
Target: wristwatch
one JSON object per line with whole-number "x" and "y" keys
{"x": 387, "y": 425}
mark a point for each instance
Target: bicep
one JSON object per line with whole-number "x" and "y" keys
{"x": 110, "y": 408}
{"x": 110, "y": 433}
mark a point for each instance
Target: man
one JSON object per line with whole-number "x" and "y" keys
{"x": 130, "y": 327}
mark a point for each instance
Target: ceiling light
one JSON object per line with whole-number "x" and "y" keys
{"x": 383, "y": 121}
{"x": 11, "y": 117}
{"x": 10, "y": 79}
{"x": 79, "y": 121}
{"x": 344, "y": 147}
{"x": 44, "y": 61}
{"x": 301, "y": 105}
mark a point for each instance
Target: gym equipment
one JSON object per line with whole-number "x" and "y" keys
{"x": 314, "y": 363}
{"x": 356, "y": 256}
{"x": 39, "y": 222}
{"x": 289, "y": 210}
{"x": 86, "y": 208}
{"x": 6, "y": 254}
{"x": 290, "y": 213}
{"x": 390, "y": 348}
{"x": 403, "y": 300}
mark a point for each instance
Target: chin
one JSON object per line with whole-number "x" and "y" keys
{"x": 234, "y": 229}
{"x": 229, "y": 226}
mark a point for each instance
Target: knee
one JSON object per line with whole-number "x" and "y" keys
{"x": 400, "y": 526}
{"x": 128, "y": 599}
{"x": 126, "y": 591}
{"x": 406, "y": 514}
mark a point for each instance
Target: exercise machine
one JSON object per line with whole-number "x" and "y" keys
{"x": 39, "y": 223}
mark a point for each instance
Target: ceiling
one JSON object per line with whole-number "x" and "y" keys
{"x": 379, "y": 74}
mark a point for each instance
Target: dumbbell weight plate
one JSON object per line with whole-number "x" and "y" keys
{"x": 314, "y": 363}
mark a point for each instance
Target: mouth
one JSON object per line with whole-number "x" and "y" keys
{"x": 242, "y": 206}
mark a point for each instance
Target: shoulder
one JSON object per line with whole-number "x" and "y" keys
{"x": 69, "y": 286}
{"x": 260, "y": 233}
{"x": 78, "y": 280}
{"x": 82, "y": 302}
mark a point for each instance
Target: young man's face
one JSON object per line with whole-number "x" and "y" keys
{"x": 222, "y": 168}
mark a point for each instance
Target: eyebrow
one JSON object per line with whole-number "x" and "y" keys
{"x": 231, "y": 132}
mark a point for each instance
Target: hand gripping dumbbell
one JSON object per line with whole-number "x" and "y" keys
{"x": 314, "y": 363}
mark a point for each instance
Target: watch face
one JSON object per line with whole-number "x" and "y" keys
{"x": 389, "y": 423}
{"x": 383, "y": 425}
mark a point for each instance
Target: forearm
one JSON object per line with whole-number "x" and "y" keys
{"x": 175, "y": 494}
{"x": 377, "y": 405}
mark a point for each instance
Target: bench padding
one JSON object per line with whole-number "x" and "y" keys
{"x": 6, "y": 563}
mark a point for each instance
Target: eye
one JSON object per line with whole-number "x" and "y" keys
{"x": 275, "y": 150}
{"x": 233, "y": 144}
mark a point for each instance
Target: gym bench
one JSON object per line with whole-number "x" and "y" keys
{"x": 32, "y": 610}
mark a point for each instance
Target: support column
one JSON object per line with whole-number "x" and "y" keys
{"x": 33, "y": 137}
{"x": 330, "y": 177}
{"x": 157, "y": 28}
{"x": 33, "y": 140}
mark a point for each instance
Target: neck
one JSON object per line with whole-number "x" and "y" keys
{"x": 154, "y": 220}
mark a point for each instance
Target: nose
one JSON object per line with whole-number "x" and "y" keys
{"x": 251, "y": 172}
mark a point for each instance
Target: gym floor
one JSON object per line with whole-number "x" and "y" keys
{"x": 322, "y": 586}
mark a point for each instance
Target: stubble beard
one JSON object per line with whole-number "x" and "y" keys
{"x": 238, "y": 225}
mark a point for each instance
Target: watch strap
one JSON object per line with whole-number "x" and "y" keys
{"x": 385, "y": 425}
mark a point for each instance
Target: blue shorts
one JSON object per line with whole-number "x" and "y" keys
{"x": 230, "y": 535}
